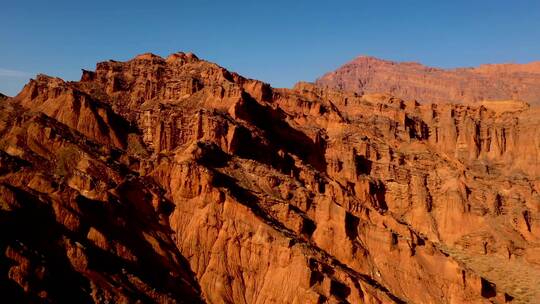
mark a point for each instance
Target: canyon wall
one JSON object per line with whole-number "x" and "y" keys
{"x": 174, "y": 180}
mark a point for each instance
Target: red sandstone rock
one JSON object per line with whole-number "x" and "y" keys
{"x": 175, "y": 180}
{"x": 413, "y": 81}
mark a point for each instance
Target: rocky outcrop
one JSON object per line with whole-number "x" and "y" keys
{"x": 414, "y": 81}
{"x": 78, "y": 224}
{"x": 174, "y": 180}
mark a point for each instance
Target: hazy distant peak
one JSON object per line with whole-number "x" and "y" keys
{"x": 415, "y": 81}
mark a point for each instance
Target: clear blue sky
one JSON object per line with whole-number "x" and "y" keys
{"x": 280, "y": 42}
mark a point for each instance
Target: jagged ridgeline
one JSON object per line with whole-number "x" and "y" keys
{"x": 174, "y": 180}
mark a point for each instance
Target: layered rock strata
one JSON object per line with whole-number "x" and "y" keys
{"x": 414, "y": 81}
{"x": 174, "y": 180}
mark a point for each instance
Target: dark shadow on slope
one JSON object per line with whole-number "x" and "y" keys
{"x": 248, "y": 146}
{"x": 31, "y": 230}
{"x": 489, "y": 289}
{"x": 131, "y": 221}
{"x": 378, "y": 190}
{"x": 272, "y": 122}
{"x": 351, "y": 225}
{"x": 363, "y": 165}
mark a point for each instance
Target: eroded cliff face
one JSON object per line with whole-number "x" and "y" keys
{"x": 414, "y": 81}
{"x": 175, "y": 180}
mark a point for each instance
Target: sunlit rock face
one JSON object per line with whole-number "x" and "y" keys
{"x": 412, "y": 80}
{"x": 174, "y": 180}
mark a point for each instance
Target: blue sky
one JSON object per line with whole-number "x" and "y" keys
{"x": 280, "y": 42}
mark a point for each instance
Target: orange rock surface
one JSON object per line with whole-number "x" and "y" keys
{"x": 174, "y": 180}
{"x": 414, "y": 81}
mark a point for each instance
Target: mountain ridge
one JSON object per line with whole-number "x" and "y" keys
{"x": 413, "y": 80}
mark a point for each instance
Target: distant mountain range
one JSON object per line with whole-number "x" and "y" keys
{"x": 411, "y": 80}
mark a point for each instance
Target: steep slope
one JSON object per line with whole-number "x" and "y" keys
{"x": 175, "y": 180}
{"x": 3, "y": 97}
{"x": 78, "y": 224}
{"x": 411, "y": 80}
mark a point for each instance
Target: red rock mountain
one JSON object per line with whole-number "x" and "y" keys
{"x": 411, "y": 80}
{"x": 173, "y": 180}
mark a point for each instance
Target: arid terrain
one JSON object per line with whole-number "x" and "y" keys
{"x": 414, "y": 81}
{"x": 173, "y": 180}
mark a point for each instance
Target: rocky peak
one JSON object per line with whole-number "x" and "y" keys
{"x": 182, "y": 57}
{"x": 148, "y": 56}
